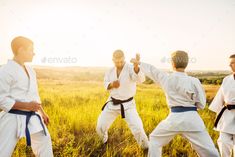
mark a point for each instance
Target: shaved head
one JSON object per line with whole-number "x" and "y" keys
{"x": 118, "y": 55}
{"x": 118, "y": 58}
{"x": 20, "y": 42}
{"x": 22, "y": 49}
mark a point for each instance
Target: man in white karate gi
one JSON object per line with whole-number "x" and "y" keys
{"x": 184, "y": 95}
{"x": 22, "y": 114}
{"x": 120, "y": 81}
{"x": 224, "y": 104}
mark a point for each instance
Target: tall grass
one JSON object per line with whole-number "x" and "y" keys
{"x": 74, "y": 106}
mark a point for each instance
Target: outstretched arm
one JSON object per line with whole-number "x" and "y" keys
{"x": 152, "y": 72}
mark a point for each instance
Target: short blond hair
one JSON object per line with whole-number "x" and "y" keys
{"x": 180, "y": 59}
{"x": 18, "y": 42}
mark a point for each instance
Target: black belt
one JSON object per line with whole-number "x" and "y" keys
{"x": 28, "y": 115}
{"x": 229, "y": 107}
{"x": 118, "y": 102}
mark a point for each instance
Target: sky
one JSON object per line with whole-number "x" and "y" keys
{"x": 85, "y": 33}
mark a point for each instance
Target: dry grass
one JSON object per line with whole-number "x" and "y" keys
{"x": 74, "y": 106}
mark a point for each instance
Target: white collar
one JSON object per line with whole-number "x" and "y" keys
{"x": 180, "y": 73}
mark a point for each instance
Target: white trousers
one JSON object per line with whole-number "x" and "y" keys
{"x": 133, "y": 120}
{"x": 200, "y": 141}
{"x": 226, "y": 143}
{"x": 41, "y": 144}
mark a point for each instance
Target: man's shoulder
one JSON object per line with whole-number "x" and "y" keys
{"x": 110, "y": 70}
{"x": 7, "y": 72}
{"x": 194, "y": 79}
{"x": 228, "y": 77}
{"x": 7, "y": 69}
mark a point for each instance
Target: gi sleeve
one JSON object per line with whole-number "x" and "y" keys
{"x": 218, "y": 101}
{"x": 200, "y": 96}
{"x": 136, "y": 77}
{"x": 106, "y": 80}
{"x": 155, "y": 74}
{"x": 6, "y": 102}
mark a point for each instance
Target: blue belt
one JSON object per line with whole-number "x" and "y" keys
{"x": 28, "y": 115}
{"x": 182, "y": 109}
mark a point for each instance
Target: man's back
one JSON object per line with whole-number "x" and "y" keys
{"x": 183, "y": 90}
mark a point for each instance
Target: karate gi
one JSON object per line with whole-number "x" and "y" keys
{"x": 16, "y": 86}
{"x": 226, "y": 124}
{"x": 126, "y": 90}
{"x": 186, "y": 91}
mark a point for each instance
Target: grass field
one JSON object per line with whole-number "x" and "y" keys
{"x": 74, "y": 106}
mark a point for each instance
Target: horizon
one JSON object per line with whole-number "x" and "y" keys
{"x": 107, "y": 67}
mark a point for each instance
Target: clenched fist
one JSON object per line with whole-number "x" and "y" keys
{"x": 116, "y": 84}
{"x": 136, "y": 60}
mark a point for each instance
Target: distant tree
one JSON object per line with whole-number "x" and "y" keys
{"x": 219, "y": 81}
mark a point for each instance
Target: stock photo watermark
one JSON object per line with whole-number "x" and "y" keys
{"x": 168, "y": 60}
{"x": 59, "y": 60}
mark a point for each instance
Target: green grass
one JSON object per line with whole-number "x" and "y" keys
{"x": 74, "y": 106}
